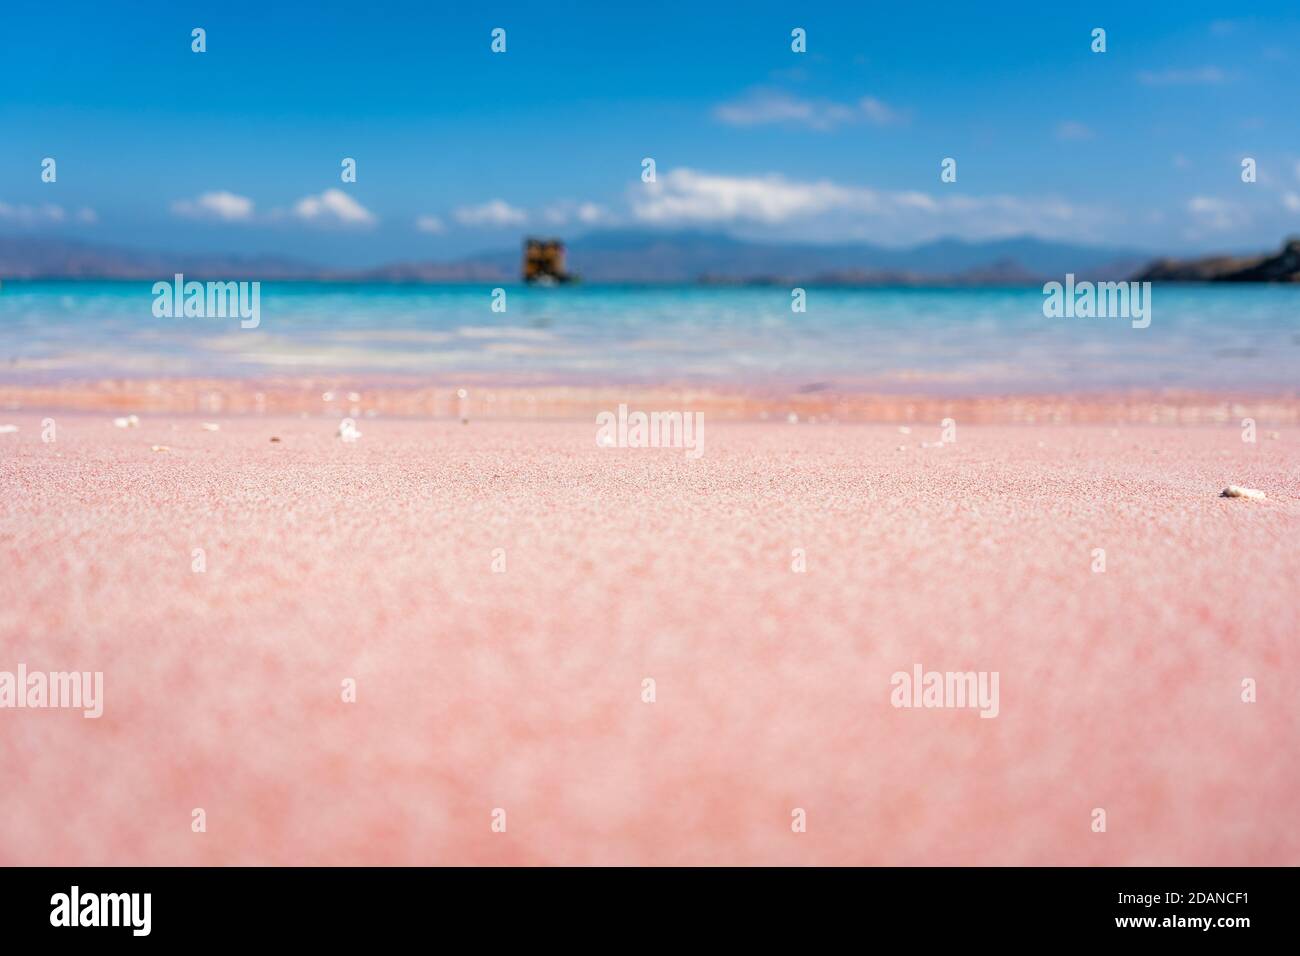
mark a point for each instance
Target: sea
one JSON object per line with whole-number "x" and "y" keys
{"x": 904, "y": 340}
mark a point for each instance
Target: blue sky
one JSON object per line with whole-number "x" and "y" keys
{"x": 238, "y": 149}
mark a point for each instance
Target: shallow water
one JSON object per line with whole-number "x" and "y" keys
{"x": 905, "y": 340}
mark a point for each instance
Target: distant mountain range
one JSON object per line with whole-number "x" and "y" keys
{"x": 625, "y": 257}
{"x": 709, "y": 257}
{"x": 38, "y": 258}
{"x": 713, "y": 258}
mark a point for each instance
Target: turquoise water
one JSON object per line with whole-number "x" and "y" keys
{"x": 904, "y": 340}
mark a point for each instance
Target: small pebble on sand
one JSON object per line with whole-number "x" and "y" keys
{"x": 129, "y": 421}
{"x": 1237, "y": 491}
{"x": 8, "y": 429}
{"x": 160, "y": 448}
{"x": 211, "y": 427}
{"x": 275, "y": 438}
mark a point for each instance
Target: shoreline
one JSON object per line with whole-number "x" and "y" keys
{"x": 357, "y": 397}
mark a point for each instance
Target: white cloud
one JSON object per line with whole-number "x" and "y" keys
{"x": 877, "y": 112}
{"x": 25, "y": 215}
{"x": 220, "y": 205}
{"x": 431, "y": 224}
{"x": 333, "y": 205}
{"x": 87, "y": 215}
{"x": 1198, "y": 76}
{"x": 1204, "y": 204}
{"x": 827, "y": 209}
{"x": 685, "y": 195}
{"x": 1217, "y": 214}
{"x": 763, "y": 107}
{"x": 566, "y": 211}
{"x": 1291, "y": 201}
{"x": 590, "y": 213}
{"x": 1072, "y": 131}
{"x": 494, "y": 213}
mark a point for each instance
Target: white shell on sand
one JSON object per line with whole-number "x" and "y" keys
{"x": 8, "y": 429}
{"x": 1236, "y": 491}
{"x": 348, "y": 430}
{"x": 129, "y": 421}
{"x": 211, "y": 427}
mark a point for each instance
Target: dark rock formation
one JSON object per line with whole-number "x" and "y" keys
{"x": 1283, "y": 266}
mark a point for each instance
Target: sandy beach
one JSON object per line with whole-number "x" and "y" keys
{"x": 500, "y": 592}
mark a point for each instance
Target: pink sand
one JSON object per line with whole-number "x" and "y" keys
{"x": 522, "y": 690}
